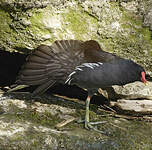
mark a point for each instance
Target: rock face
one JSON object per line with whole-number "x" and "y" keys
{"x": 133, "y": 106}
{"x": 117, "y": 25}
{"x": 136, "y": 90}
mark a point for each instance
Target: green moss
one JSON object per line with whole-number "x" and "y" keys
{"x": 37, "y": 24}
{"x": 38, "y": 28}
{"x": 69, "y": 23}
{"x": 150, "y": 53}
{"x": 79, "y": 22}
{"x": 12, "y": 36}
{"x": 132, "y": 40}
{"x": 23, "y": 115}
{"x": 6, "y": 34}
{"x": 134, "y": 24}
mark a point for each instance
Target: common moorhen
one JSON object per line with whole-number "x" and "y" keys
{"x": 79, "y": 63}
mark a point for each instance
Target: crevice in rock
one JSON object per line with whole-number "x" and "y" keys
{"x": 10, "y": 64}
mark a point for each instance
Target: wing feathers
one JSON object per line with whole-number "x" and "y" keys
{"x": 45, "y": 49}
{"x": 31, "y": 78}
{"x": 31, "y": 82}
{"x": 42, "y": 54}
{"x": 33, "y": 65}
{"x": 44, "y": 87}
{"x": 50, "y": 64}
{"x": 32, "y": 72}
{"x": 37, "y": 59}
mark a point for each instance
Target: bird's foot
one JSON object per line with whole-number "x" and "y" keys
{"x": 90, "y": 125}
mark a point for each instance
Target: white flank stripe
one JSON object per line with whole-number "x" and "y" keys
{"x": 89, "y": 65}
{"x": 72, "y": 73}
{"x": 80, "y": 68}
{"x": 77, "y": 68}
{"x": 100, "y": 63}
{"x": 68, "y": 81}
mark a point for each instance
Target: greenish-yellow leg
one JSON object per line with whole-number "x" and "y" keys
{"x": 88, "y": 124}
{"x": 87, "y": 112}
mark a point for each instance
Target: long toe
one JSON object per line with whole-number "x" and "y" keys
{"x": 89, "y": 125}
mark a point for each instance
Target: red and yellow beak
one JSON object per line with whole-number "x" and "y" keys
{"x": 143, "y": 79}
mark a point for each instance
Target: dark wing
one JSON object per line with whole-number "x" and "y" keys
{"x": 101, "y": 56}
{"x": 93, "y": 53}
{"x": 50, "y": 64}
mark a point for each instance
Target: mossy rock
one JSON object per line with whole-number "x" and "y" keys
{"x": 27, "y": 24}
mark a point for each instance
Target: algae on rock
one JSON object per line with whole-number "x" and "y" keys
{"x": 117, "y": 25}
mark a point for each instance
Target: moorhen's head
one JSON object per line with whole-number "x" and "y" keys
{"x": 140, "y": 73}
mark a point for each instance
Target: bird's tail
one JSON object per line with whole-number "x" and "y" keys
{"x": 49, "y": 64}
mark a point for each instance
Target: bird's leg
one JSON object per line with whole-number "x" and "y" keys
{"x": 87, "y": 112}
{"x": 88, "y": 124}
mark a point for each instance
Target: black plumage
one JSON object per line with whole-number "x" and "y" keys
{"x": 101, "y": 75}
